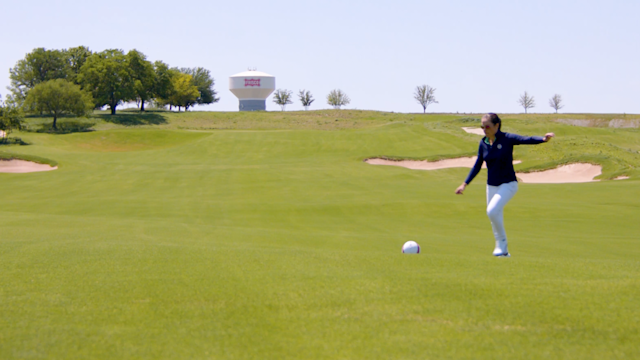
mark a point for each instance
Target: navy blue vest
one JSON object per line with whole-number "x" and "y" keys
{"x": 499, "y": 157}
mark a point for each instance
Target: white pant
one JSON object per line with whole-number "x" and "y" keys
{"x": 497, "y": 199}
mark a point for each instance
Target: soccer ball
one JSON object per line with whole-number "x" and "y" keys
{"x": 411, "y": 247}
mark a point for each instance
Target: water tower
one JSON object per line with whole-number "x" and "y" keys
{"x": 252, "y": 89}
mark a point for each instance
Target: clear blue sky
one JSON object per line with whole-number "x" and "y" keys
{"x": 480, "y": 56}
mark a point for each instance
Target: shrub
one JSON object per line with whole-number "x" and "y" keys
{"x": 12, "y": 141}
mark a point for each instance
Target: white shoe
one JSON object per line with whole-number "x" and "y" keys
{"x": 501, "y": 249}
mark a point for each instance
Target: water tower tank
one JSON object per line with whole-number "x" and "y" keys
{"x": 252, "y": 88}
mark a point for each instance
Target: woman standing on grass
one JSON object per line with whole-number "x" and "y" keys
{"x": 496, "y": 149}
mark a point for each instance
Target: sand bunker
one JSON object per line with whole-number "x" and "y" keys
{"x": 621, "y": 178}
{"x": 572, "y": 173}
{"x": 22, "y": 166}
{"x": 467, "y": 162}
{"x": 473, "y": 130}
{"x": 615, "y": 123}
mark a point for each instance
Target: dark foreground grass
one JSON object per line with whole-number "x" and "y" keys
{"x": 150, "y": 244}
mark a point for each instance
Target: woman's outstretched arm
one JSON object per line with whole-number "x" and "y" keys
{"x": 474, "y": 171}
{"x": 529, "y": 140}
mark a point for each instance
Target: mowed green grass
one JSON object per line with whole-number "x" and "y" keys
{"x": 259, "y": 244}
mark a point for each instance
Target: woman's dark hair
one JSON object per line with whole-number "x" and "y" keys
{"x": 494, "y": 119}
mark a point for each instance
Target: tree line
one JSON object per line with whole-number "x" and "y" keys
{"x": 423, "y": 94}
{"x": 77, "y": 80}
{"x": 336, "y": 98}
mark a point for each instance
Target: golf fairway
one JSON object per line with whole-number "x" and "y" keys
{"x": 283, "y": 244}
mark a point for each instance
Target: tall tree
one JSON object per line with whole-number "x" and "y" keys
{"x": 425, "y": 95}
{"x": 526, "y": 101}
{"x": 556, "y": 102}
{"x": 282, "y": 97}
{"x": 143, "y": 76}
{"x": 108, "y": 77}
{"x": 76, "y": 57}
{"x": 58, "y": 97}
{"x": 163, "y": 86}
{"x": 183, "y": 91}
{"x": 38, "y": 66}
{"x": 11, "y": 117}
{"x": 204, "y": 82}
{"x": 337, "y": 98}
{"x": 305, "y": 98}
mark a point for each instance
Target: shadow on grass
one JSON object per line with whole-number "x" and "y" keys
{"x": 63, "y": 127}
{"x": 133, "y": 119}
